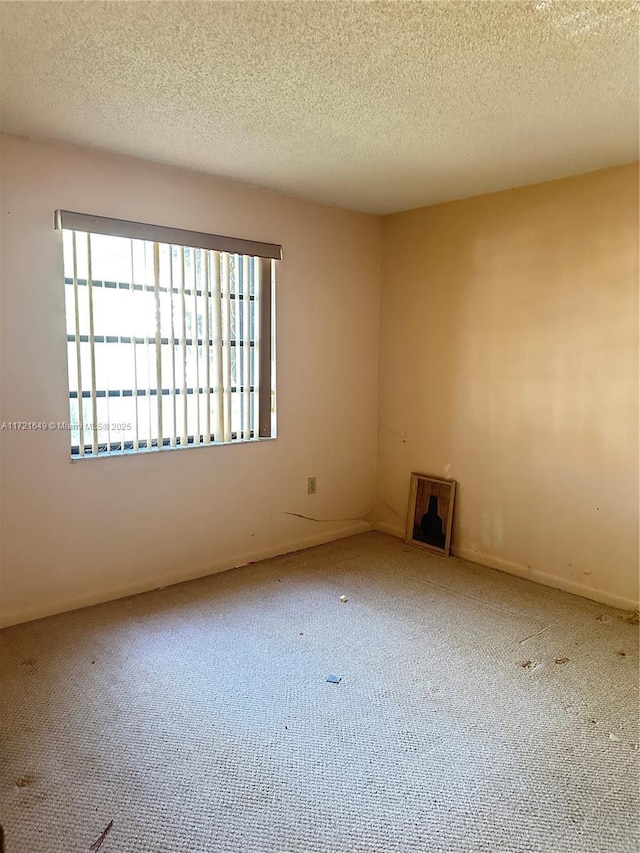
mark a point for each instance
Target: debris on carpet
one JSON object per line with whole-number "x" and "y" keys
{"x": 97, "y": 844}
{"x": 537, "y": 634}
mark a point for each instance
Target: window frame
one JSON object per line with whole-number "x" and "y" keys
{"x": 264, "y": 254}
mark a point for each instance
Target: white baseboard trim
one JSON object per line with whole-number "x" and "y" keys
{"x": 169, "y": 579}
{"x": 544, "y": 578}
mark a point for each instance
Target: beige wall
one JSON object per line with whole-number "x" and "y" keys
{"x": 76, "y": 533}
{"x": 509, "y": 362}
{"x": 508, "y": 349}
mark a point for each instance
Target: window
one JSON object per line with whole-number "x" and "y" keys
{"x": 169, "y": 336}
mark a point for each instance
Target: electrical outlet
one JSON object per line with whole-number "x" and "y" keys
{"x": 311, "y": 486}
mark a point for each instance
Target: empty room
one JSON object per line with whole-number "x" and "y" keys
{"x": 319, "y": 426}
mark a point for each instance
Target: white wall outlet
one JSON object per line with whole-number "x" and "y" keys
{"x": 311, "y": 486}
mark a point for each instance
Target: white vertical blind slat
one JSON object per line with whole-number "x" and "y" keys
{"x": 94, "y": 399}
{"x": 226, "y": 348}
{"x": 174, "y": 402}
{"x": 206, "y": 287}
{"x": 246, "y": 349}
{"x": 216, "y": 311}
{"x": 156, "y": 288}
{"x": 197, "y": 432}
{"x": 238, "y": 427}
{"x": 148, "y": 383}
{"x": 107, "y": 385}
{"x": 183, "y": 345}
{"x": 136, "y": 433}
{"x": 78, "y": 350}
{"x": 257, "y": 310}
{"x": 253, "y": 378}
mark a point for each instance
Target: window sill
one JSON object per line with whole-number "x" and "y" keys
{"x": 154, "y": 450}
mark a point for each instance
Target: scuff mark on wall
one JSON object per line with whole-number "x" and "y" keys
{"x": 487, "y": 529}
{"x": 328, "y": 520}
{"x": 498, "y": 530}
{"x": 492, "y": 528}
{"x": 391, "y": 509}
{"x": 402, "y": 435}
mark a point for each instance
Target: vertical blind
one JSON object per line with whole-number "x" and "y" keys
{"x": 169, "y": 345}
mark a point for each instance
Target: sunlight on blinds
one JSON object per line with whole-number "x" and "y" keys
{"x": 163, "y": 343}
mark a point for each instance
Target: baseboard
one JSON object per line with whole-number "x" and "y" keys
{"x": 520, "y": 571}
{"x": 546, "y": 579}
{"x": 393, "y": 529}
{"x": 171, "y": 578}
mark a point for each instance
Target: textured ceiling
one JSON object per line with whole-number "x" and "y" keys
{"x": 374, "y": 106}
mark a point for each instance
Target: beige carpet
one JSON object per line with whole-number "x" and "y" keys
{"x": 199, "y": 718}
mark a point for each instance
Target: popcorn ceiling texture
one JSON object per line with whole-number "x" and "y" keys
{"x": 374, "y": 106}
